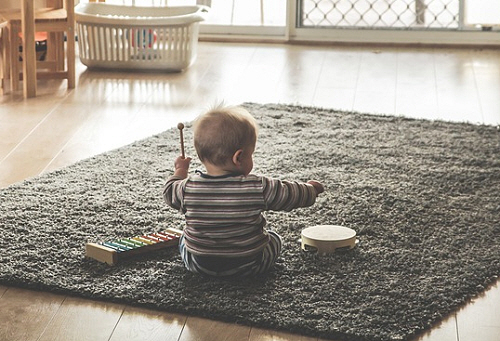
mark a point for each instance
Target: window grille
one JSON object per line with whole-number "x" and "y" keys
{"x": 401, "y": 14}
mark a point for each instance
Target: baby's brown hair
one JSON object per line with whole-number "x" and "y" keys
{"x": 221, "y": 131}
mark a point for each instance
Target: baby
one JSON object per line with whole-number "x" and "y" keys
{"x": 225, "y": 232}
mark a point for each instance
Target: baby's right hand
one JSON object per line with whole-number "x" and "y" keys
{"x": 318, "y": 186}
{"x": 182, "y": 163}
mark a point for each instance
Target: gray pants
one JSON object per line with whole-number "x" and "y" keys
{"x": 233, "y": 267}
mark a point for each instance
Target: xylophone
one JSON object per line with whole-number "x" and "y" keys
{"x": 114, "y": 251}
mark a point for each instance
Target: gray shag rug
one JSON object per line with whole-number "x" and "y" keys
{"x": 423, "y": 197}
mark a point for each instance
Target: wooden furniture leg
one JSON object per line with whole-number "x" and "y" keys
{"x": 29, "y": 49}
{"x": 14, "y": 29}
{"x": 70, "y": 47}
{"x": 4, "y": 57}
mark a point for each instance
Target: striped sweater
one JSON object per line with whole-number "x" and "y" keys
{"x": 224, "y": 214}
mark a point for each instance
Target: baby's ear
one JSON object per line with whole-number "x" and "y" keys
{"x": 236, "y": 157}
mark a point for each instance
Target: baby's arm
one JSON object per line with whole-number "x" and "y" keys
{"x": 172, "y": 192}
{"x": 282, "y": 195}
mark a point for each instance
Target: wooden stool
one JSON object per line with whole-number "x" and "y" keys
{"x": 327, "y": 239}
{"x": 57, "y": 20}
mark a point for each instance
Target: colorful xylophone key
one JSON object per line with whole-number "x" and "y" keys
{"x": 112, "y": 252}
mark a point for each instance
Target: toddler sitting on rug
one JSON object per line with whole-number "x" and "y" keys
{"x": 225, "y": 231}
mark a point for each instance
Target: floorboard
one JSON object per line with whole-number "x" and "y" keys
{"x": 82, "y": 320}
{"x": 25, "y": 314}
{"x": 138, "y": 324}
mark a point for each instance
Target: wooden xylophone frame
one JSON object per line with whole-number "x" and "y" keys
{"x": 114, "y": 251}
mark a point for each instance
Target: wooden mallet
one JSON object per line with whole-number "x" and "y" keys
{"x": 180, "y": 126}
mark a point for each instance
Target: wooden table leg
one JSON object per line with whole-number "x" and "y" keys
{"x": 29, "y": 50}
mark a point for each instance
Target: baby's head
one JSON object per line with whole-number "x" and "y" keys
{"x": 221, "y": 132}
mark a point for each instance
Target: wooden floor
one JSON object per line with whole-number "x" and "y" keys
{"x": 108, "y": 110}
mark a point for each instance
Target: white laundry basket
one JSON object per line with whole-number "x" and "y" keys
{"x": 133, "y": 37}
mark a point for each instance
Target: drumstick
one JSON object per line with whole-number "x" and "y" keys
{"x": 180, "y": 126}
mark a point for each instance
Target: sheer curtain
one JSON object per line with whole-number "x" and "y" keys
{"x": 482, "y": 12}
